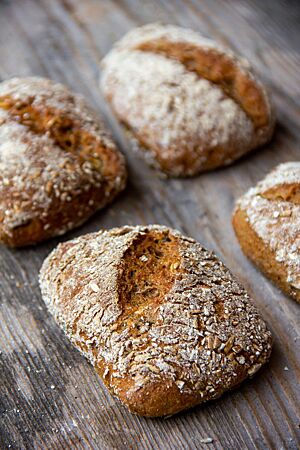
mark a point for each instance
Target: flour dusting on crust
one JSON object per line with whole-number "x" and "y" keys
{"x": 206, "y": 335}
{"x": 186, "y": 121}
{"x": 277, "y": 221}
{"x": 37, "y": 176}
{"x": 172, "y": 107}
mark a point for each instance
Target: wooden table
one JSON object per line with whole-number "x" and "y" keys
{"x": 50, "y": 397}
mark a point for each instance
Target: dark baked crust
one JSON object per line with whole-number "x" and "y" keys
{"x": 58, "y": 163}
{"x": 162, "y": 320}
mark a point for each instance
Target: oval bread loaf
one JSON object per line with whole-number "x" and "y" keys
{"x": 162, "y": 319}
{"x": 58, "y": 165}
{"x": 267, "y": 223}
{"x": 191, "y": 104}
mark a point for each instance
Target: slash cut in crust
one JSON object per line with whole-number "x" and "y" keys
{"x": 163, "y": 321}
{"x": 58, "y": 164}
{"x": 267, "y": 223}
{"x": 190, "y": 104}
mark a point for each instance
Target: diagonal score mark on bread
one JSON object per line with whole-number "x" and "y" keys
{"x": 288, "y": 192}
{"x": 219, "y": 69}
{"x": 65, "y": 132}
{"x": 58, "y": 164}
{"x": 162, "y": 320}
{"x": 151, "y": 265}
{"x": 267, "y": 223}
{"x": 191, "y": 104}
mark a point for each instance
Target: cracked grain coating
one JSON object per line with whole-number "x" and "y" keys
{"x": 58, "y": 165}
{"x": 162, "y": 319}
{"x": 267, "y": 223}
{"x": 190, "y": 104}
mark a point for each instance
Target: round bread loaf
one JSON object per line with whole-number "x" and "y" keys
{"x": 58, "y": 165}
{"x": 267, "y": 223}
{"x": 190, "y": 104}
{"x": 162, "y": 319}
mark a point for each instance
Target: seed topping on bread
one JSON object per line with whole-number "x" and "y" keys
{"x": 53, "y": 150}
{"x": 156, "y": 314}
{"x": 273, "y": 211}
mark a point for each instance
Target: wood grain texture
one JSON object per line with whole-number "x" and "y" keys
{"x": 50, "y": 397}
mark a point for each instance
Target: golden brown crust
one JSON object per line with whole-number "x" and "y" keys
{"x": 284, "y": 192}
{"x": 261, "y": 254}
{"x": 58, "y": 164}
{"x": 219, "y": 68}
{"x": 183, "y": 163}
{"x": 190, "y": 104}
{"x": 162, "y": 320}
{"x": 267, "y": 224}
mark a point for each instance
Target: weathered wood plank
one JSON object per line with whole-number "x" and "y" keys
{"x": 50, "y": 397}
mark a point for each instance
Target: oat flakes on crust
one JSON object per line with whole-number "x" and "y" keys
{"x": 58, "y": 164}
{"x": 267, "y": 223}
{"x": 191, "y": 104}
{"x": 162, "y": 319}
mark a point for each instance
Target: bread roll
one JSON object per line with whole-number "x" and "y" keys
{"x": 58, "y": 165}
{"x": 267, "y": 223}
{"x": 191, "y": 104}
{"x": 162, "y": 319}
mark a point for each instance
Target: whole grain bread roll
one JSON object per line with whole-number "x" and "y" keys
{"x": 191, "y": 104}
{"x": 267, "y": 223}
{"x": 162, "y": 319}
{"x": 58, "y": 165}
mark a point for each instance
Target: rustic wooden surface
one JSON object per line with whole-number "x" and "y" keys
{"x": 50, "y": 397}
